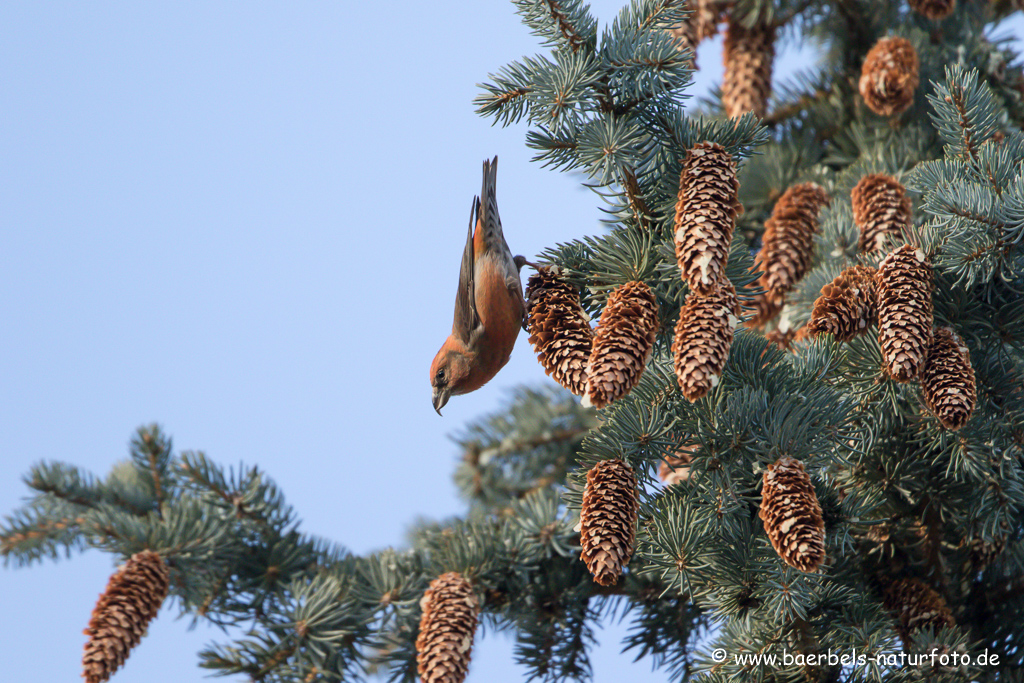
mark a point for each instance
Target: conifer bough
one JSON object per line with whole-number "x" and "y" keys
{"x": 623, "y": 342}
{"x": 447, "y": 628}
{"x": 676, "y": 468}
{"x": 881, "y": 207}
{"x": 889, "y": 76}
{"x": 905, "y": 285}
{"x": 559, "y": 329}
{"x": 605, "y": 100}
{"x": 608, "y": 520}
{"x": 792, "y": 515}
{"x": 706, "y": 210}
{"x": 123, "y": 612}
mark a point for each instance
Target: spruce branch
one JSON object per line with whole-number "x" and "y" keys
{"x": 787, "y": 111}
{"x": 560, "y": 23}
{"x": 964, "y": 111}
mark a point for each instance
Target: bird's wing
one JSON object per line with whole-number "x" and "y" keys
{"x": 467, "y": 320}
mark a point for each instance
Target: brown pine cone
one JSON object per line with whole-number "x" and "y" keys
{"x": 936, "y": 10}
{"x": 889, "y": 76}
{"x": 702, "y": 339}
{"x": 847, "y": 306}
{"x": 702, "y": 23}
{"x": 132, "y": 599}
{"x": 608, "y": 520}
{"x": 706, "y": 211}
{"x": 880, "y": 207}
{"x": 748, "y": 54}
{"x": 792, "y": 515}
{"x": 622, "y": 343}
{"x": 559, "y": 329}
{"x": 676, "y": 468}
{"x": 947, "y": 380}
{"x": 447, "y": 626}
{"x": 984, "y": 553}
{"x": 707, "y": 15}
{"x": 787, "y": 245}
{"x": 916, "y": 606}
{"x": 904, "y": 311}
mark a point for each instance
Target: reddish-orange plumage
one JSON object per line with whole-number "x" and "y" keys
{"x": 489, "y": 305}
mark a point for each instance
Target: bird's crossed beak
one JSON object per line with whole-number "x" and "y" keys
{"x": 441, "y": 395}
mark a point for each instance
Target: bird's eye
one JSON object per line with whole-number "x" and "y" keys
{"x": 440, "y": 375}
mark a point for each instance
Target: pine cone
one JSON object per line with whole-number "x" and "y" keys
{"x": 703, "y": 336}
{"x": 880, "y": 207}
{"x": 847, "y": 306}
{"x": 792, "y": 515}
{"x": 748, "y": 54}
{"x": 132, "y": 599}
{"x": 788, "y": 244}
{"x": 445, "y": 641}
{"x": 916, "y": 606}
{"x": 936, "y": 10}
{"x": 702, "y": 23}
{"x": 889, "y": 76}
{"x": 676, "y": 468}
{"x": 707, "y": 15}
{"x": 947, "y": 380}
{"x": 559, "y": 329}
{"x": 984, "y": 553}
{"x": 608, "y": 520}
{"x": 904, "y": 311}
{"x": 622, "y": 343}
{"x": 706, "y": 213}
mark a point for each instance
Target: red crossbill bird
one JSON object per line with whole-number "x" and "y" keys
{"x": 489, "y": 306}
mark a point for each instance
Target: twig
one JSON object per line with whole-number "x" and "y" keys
{"x": 636, "y": 200}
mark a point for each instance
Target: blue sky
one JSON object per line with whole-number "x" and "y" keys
{"x": 244, "y": 221}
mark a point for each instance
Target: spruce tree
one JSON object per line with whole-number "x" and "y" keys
{"x": 815, "y": 336}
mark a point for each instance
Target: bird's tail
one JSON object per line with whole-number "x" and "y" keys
{"x": 487, "y": 209}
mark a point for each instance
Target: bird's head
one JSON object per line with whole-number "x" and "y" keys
{"x": 448, "y": 372}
